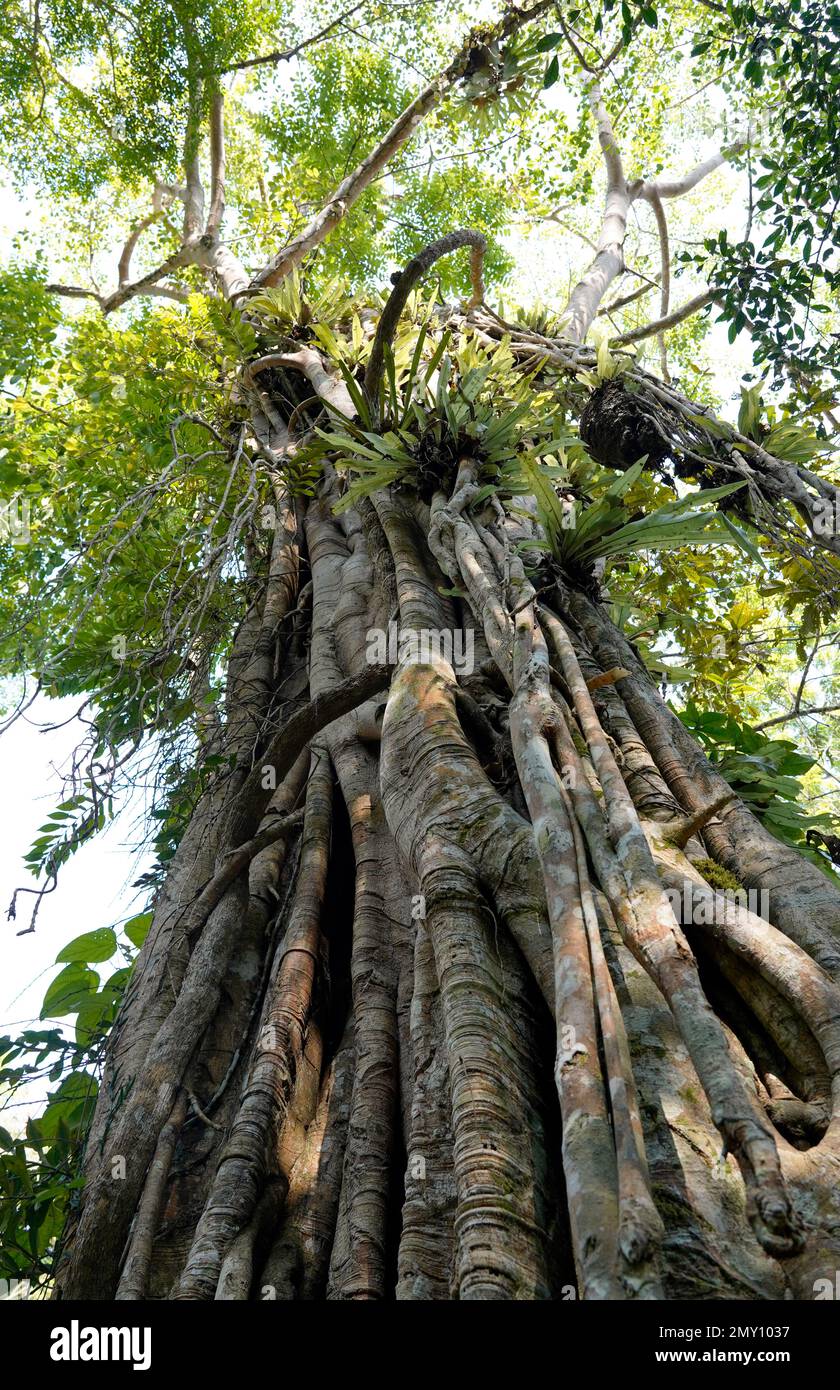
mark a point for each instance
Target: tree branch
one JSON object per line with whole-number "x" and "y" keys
{"x": 603, "y": 61}
{"x": 803, "y": 680}
{"x": 107, "y": 303}
{"x": 691, "y": 306}
{"x": 587, "y": 67}
{"x": 351, "y": 188}
{"x": 675, "y": 187}
{"x": 609, "y": 257}
{"x": 179, "y": 293}
{"x": 330, "y": 389}
{"x": 405, "y": 282}
{"x": 625, "y": 299}
{"x": 797, "y": 714}
{"x": 284, "y": 55}
{"x": 665, "y": 296}
{"x": 163, "y": 195}
{"x": 322, "y": 709}
{"x": 185, "y": 255}
{"x": 217, "y": 164}
{"x": 73, "y": 292}
{"x": 232, "y": 866}
{"x": 679, "y": 832}
{"x": 194, "y": 200}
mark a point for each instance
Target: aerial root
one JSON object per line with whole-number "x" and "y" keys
{"x": 679, "y": 832}
{"x": 135, "y": 1270}
{"x": 629, "y": 877}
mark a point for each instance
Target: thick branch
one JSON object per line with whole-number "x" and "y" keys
{"x": 194, "y": 200}
{"x": 217, "y": 164}
{"x": 308, "y": 721}
{"x": 185, "y": 255}
{"x": 675, "y": 187}
{"x": 330, "y": 388}
{"x": 352, "y": 187}
{"x": 609, "y": 257}
{"x": 161, "y": 198}
{"x": 665, "y": 296}
{"x": 691, "y": 306}
{"x": 405, "y": 282}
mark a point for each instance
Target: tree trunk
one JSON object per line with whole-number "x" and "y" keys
{"x": 416, "y": 1017}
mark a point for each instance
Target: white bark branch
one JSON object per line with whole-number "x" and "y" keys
{"x": 584, "y": 301}
{"x": 329, "y": 388}
{"x": 163, "y": 195}
{"x": 609, "y": 257}
{"x": 351, "y": 188}
{"x": 676, "y": 187}
{"x": 665, "y": 296}
{"x": 691, "y": 306}
{"x": 194, "y": 200}
{"x": 177, "y": 292}
{"x": 217, "y": 164}
{"x": 185, "y": 255}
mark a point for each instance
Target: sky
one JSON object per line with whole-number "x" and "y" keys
{"x": 93, "y": 887}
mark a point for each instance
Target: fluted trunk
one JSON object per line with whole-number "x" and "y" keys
{"x": 417, "y": 1016}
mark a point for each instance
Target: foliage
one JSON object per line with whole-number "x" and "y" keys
{"x": 782, "y": 284}
{"x": 435, "y": 411}
{"x": 29, "y": 318}
{"x": 765, "y": 772}
{"x": 141, "y": 67}
{"x": 577, "y": 537}
{"x": 292, "y": 308}
{"x": 40, "y": 1163}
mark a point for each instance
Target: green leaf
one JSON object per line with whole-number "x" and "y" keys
{"x": 92, "y": 947}
{"x": 137, "y": 929}
{"x": 95, "y": 1014}
{"x": 741, "y": 539}
{"x": 68, "y": 990}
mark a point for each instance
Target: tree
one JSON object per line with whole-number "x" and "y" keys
{"x": 472, "y": 967}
